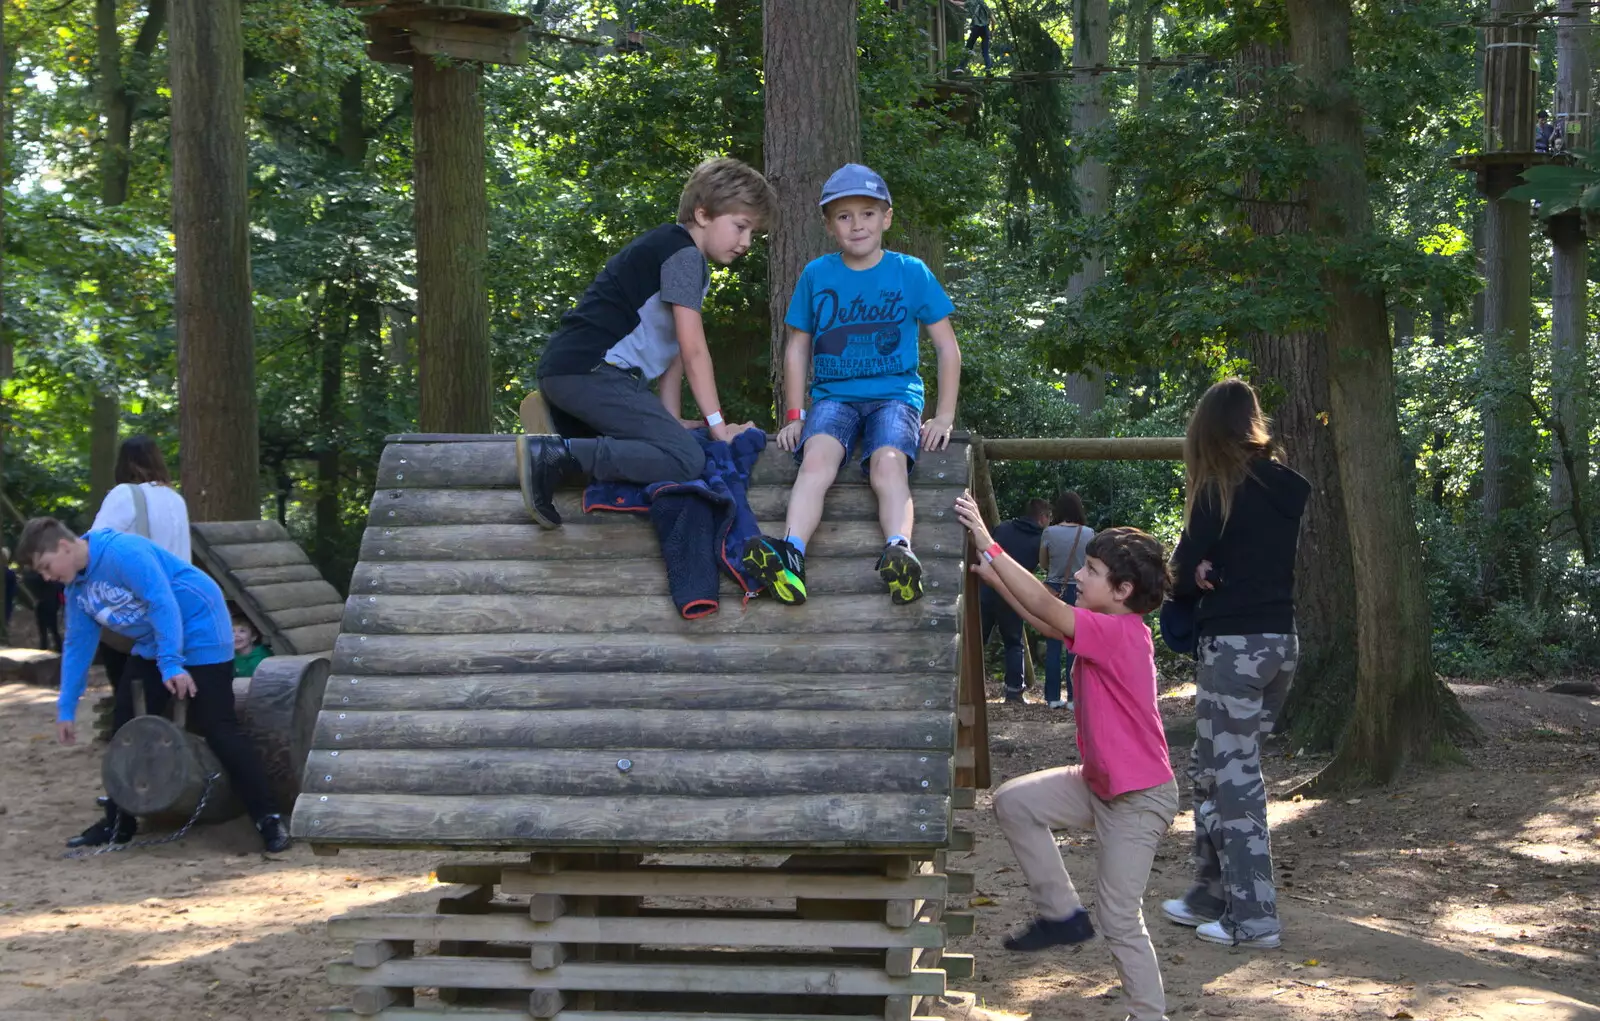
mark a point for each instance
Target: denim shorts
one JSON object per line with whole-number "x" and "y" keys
{"x": 871, "y": 424}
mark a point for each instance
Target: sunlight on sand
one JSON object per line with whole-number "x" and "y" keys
{"x": 25, "y": 694}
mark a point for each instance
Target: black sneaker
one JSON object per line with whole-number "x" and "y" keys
{"x": 1015, "y": 697}
{"x": 902, "y": 572}
{"x": 542, "y": 463}
{"x": 779, "y": 567}
{"x": 1045, "y": 933}
{"x": 274, "y": 834}
{"x": 118, "y": 827}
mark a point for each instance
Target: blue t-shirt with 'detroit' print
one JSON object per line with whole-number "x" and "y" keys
{"x": 863, "y": 325}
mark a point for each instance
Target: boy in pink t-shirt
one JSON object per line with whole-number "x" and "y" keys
{"x": 1124, "y": 791}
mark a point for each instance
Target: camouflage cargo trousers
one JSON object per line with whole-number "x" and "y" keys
{"x": 1241, "y": 683}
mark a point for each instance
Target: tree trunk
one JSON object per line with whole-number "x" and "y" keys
{"x": 1509, "y": 443}
{"x": 1143, "y": 13}
{"x": 1569, "y": 288}
{"x": 5, "y": 333}
{"x": 117, "y": 109}
{"x": 216, "y": 344}
{"x": 1091, "y": 47}
{"x": 1291, "y": 370}
{"x": 453, "y": 363}
{"x": 813, "y": 126}
{"x": 1401, "y": 709}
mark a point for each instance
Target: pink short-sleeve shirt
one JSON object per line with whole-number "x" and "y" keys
{"x": 1120, "y": 738}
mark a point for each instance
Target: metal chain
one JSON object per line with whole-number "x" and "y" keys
{"x": 177, "y": 834}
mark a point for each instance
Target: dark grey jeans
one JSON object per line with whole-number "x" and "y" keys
{"x": 639, "y": 440}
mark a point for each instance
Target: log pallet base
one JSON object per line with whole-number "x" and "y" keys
{"x": 627, "y": 937}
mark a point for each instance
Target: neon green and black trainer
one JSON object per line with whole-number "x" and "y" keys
{"x": 780, "y": 568}
{"x": 902, "y": 572}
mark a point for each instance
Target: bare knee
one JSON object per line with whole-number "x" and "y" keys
{"x": 887, "y": 469}
{"x": 819, "y": 462}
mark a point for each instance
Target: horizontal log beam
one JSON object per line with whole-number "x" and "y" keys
{"x": 495, "y": 614}
{"x": 655, "y": 823}
{"x": 634, "y": 729}
{"x": 509, "y": 654}
{"x": 755, "y": 884}
{"x": 628, "y": 690}
{"x": 591, "y": 773}
{"x": 646, "y": 576}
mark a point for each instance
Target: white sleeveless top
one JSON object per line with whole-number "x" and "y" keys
{"x": 168, "y": 514}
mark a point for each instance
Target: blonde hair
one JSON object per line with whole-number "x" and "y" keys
{"x": 727, "y": 185}
{"x": 1226, "y": 432}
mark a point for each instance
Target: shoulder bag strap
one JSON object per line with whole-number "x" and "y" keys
{"x": 141, "y": 511}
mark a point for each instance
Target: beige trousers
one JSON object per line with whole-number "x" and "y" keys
{"x": 1127, "y": 828}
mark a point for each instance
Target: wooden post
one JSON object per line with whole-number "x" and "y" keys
{"x": 1569, "y": 333}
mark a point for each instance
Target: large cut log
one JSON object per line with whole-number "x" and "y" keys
{"x": 231, "y": 533}
{"x": 277, "y": 709}
{"x": 156, "y": 769}
{"x": 261, "y": 554}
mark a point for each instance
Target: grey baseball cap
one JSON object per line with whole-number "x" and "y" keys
{"x": 855, "y": 179}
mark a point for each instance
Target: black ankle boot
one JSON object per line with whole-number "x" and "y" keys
{"x": 274, "y": 834}
{"x": 543, "y": 463}
{"x": 117, "y": 827}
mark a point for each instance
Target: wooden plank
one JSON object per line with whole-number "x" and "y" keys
{"x": 972, "y": 678}
{"x": 752, "y": 884}
{"x": 373, "y": 952}
{"x": 591, "y": 542}
{"x": 504, "y": 654}
{"x": 646, "y": 691}
{"x": 250, "y": 577}
{"x": 1082, "y": 448}
{"x": 544, "y": 956}
{"x": 261, "y": 554}
{"x": 313, "y": 638}
{"x": 956, "y": 965}
{"x": 586, "y": 772}
{"x": 634, "y": 729}
{"x": 796, "y": 820}
{"x": 546, "y": 1003}
{"x": 477, "y": 43}
{"x": 504, "y": 506}
{"x": 958, "y": 923}
{"x": 963, "y": 798}
{"x": 484, "y": 615}
{"x": 370, "y": 1001}
{"x": 961, "y": 840}
{"x": 293, "y": 618}
{"x": 472, "y": 873}
{"x": 228, "y": 533}
{"x": 644, "y": 577}
{"x": 294, "y": 594}
{"x": 961, "y": 882}
{"x": 491, "y": 463}
{"x": 472, "y": 973}
{"x": 547, "y": 907}
{"x": 680, "y": 931}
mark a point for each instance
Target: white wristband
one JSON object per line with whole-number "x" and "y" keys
{"x": 714, "y": 419}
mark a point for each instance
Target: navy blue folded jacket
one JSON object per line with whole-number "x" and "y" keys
{"x": 702, "y": 524}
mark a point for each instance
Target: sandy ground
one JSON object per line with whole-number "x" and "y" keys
{"x": 1469, "y": 892}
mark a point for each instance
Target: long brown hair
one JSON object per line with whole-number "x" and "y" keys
{"x": 1226, "y": 432}
{"x": 140, "y": 460}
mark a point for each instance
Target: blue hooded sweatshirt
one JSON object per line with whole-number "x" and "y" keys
{"x": 173, "y": 611}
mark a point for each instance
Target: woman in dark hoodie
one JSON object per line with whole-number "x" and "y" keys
{"x": 1242, "y": 510}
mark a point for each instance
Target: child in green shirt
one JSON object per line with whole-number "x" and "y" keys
{"x": 248, "y": 648}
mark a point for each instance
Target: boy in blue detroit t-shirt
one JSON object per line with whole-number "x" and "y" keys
{"x": 853, "y": 322}
{"x": 182, "y": 646}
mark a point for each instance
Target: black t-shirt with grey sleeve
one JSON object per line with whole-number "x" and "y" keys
{"x": 625, "y": 317}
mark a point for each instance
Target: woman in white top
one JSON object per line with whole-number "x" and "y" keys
{"x": 140, "y": 466}
{"x": 1062, "y": 550}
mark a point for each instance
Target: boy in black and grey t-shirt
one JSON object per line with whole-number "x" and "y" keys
{"x": 637, "y": 323}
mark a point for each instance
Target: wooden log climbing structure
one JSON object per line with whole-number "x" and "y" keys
{"x": 745, "y": 816}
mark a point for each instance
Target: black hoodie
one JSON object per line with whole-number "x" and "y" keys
{"x": 1020, "y": 537}
{"x": 1253, "y": 554}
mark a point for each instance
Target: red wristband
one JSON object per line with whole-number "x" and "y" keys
{"x": 994, "y": 550}
{"x": 795, "y": 415}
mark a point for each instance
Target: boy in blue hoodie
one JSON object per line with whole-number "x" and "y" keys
{"x": 183, "y": 646}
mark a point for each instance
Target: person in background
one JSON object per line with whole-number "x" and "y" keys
{"x": 142, "y": 502}
{"x": 1061, "y": 551}
{"x": 1241, "y": 526}
{"x": 1545, "y": 133}
{"x": 1019, "y": 537}
{"x": 981, "y": 18}
{"x": 46, "y": 609}
{"x": 248, "y": 648}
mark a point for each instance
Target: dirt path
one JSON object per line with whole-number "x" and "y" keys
{"x": 1471, "y": 892}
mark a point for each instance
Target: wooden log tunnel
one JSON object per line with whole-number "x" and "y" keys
{"x": 500, "y": 687}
